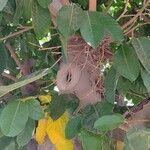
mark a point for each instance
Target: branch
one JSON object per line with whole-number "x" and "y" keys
{"x": 9, "y": 76}
{"x": 14, "y": 56}
{"x": 16, "y": 33}
{"x": 124, "y": 11}
{"x": 136, "y": 16}
{"x": 137, "y": 26}
{"x": 92, "y": 5}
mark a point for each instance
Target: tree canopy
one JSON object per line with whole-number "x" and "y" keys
{"x": 74, "y": 71}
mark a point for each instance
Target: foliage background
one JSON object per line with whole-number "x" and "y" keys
{"x": 30, "y": 43}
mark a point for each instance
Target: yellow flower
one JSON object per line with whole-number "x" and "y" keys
{"x": 45, "y": 98}
{"x": 55, "y": 131}
{"x": 41, "y": 131}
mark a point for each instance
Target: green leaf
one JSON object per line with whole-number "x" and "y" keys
{"x": 123, "y": 85}
{"x": 35, "y": 110}
{"x": 3, "y": 58}
{"x": 25, "y": 136}
{"x": 24, "y": 81}
{"x": 13, "y": 118}
{"x": 44, "y": 3}
{"x": 1, "y": 134}
{"x": 1, "y": 16}
{"x": 126, "y": 62}
{"x": 19, "y": 11}
{"x": 41, "y": 20}
{"x": 7, "y": 143}
{"x": 27, "y": 7}
{"x": 96, "y": 25}
{"x": 109, "y": 122}
{"x": 146, "y": 79}
{"x": 142, "y": 48}
{"x": 105, "y": 108}
{"x": 63, "y": 102}
{"x": 138, "y": 139}
{"x": 2, "y": 4}
{"x": 73, "y": 127}
{"x": 69, "y": 19}
{"x": 110, "y": 85}
{"x": 57, "y": 102}
{"x": 64, "y": 42}
{"x": 90, "y": 141}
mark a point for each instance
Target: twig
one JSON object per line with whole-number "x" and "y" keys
{"x": 130, "y": 27}
{"x": 9, "y": 76}
{"x": 92, "y": 5}
{"x": 136, "y": 121}
{"x": 14, "y": 56}
{"x": 16, "y": 33}
{"x": 136, "y": 94}
{"x": 124, "y": 11}
{"x": 136, "y": 16}
{"x": 109, "y": 5}
{"x": 55, "y": 62}
{"x": 132, "y": 15}
{"x": 49, "y": 48}
{"x": 137, "y": 26}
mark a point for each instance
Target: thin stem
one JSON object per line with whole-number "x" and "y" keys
{"x": 137, "y": 26}
{"x": 49, "y": 48}
{"x": 16, "y": 33}
{"x": 136, "y": 16}
{"x": 8, "y": 76}
{"x": 124, "y": 11}
{"x": 14, "y": 56}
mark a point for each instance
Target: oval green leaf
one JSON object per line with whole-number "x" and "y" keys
{"x": 35, "y": 110}
{"x": 109, "y": 122}
{"x": 13, "y": 118}
{"x": 126, "y": 62}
